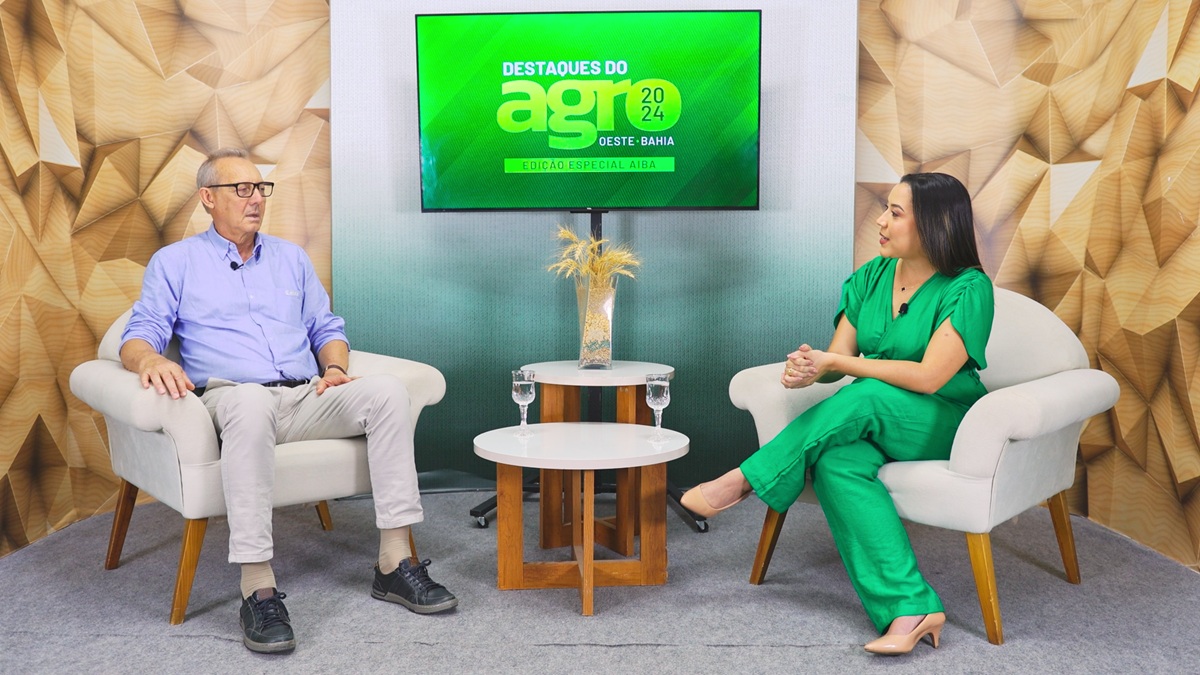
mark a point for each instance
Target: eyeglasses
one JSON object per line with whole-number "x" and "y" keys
{"x": 244, "y": 190}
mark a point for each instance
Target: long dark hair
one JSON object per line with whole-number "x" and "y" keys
{"x": 945, "y": 222}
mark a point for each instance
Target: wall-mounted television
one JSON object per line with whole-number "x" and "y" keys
{"x": 589, "y": 110}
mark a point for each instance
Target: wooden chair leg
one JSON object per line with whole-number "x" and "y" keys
{"x": 1061, "y": 518}
{"x": 120, "y": 526}
{"x": 980, "y": 548}
{"x": 412, "y": 546}
{"x": 189, "y": 557}
{"x": 772, "y": 524}
{"x": 323, "y": 514}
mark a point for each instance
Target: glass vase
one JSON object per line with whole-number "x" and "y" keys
{"x": 596, "y": 299}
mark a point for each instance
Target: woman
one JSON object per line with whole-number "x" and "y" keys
{"x": 919, "y": 315}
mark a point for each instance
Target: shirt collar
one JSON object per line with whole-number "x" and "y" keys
{"x": 226, "y": 249}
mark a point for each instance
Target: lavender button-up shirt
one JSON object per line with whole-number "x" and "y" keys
{"x": 263, "y": 321}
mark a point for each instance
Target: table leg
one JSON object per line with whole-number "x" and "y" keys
{"x": 631, "y": 405}
{"x": 631, "y": 409}
{"x": 554, "y": 526}
{"x": 636, "y": 489}
{"x": 617, "y": 533}
{"x": 583, "y": 529}
{"x": 653, "y": 507}
{"x": 557, "y": 403}
{"x": 510, "y": 529}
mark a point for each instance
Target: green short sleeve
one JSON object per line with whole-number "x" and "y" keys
{"x": 970, "y": 306}
{"x": 856, "y": 288}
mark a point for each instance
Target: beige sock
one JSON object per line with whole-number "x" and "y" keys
{"x": 393, "y": 547}
{"x": 255, "y": 576}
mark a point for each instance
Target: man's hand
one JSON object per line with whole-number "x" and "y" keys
{"x": 154, "y": 369}
{"x": 332, "y": 378}
{"x": 330, "y": 359}
{"x": 166, "y": 376}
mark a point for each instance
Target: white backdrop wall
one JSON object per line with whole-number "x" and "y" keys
{"x": 469, "y": 292}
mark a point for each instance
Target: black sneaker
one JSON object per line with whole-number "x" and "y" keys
{"x": 266, "y": 628}
{"x": 411, "y": 586}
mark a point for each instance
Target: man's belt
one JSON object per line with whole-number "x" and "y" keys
{"x": 285, "y": 383}
{"x": 199, "y": 391}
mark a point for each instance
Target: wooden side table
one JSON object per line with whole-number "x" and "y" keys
{"x": 559, "y": 399}
{"x": 579, "y": 449}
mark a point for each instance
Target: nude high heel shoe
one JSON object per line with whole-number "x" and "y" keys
{"x": 894, "y": 645}
{"x": 693, "y": 500}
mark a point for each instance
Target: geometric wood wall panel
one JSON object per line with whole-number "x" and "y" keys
{"x": 107, "y": 109}
{"x": 1075, "y": 126}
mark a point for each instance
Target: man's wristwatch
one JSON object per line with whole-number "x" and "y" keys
{"x": 333, "y": 365}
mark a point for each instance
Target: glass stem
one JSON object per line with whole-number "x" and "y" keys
{"x": 658, "y": 419}
{"x": 524, "y": 412}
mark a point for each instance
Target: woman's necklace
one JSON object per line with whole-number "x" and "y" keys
{"x": 904, "y": 286}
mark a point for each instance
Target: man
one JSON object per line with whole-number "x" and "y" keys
{"x": 269, "y": 360}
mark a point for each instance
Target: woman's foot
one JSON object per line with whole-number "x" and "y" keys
{"x": 906, "y": 631}
{"x": 708, "y": 499}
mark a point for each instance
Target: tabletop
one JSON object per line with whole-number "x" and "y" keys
{"x": 581, "y": 445}
{"x": 622, "y": 373}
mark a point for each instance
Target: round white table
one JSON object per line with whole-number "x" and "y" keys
{"x": 622, "y": 373}
{"x": 579, "y": 449}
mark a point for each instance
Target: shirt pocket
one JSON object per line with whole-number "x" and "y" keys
{"x": 281, "y": 305}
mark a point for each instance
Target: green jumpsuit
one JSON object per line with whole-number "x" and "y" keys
{"x": 846, "y": 438}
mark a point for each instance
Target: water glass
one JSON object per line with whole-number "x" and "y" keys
{"x": 658, "y": 396}
{"x": 523, "y": 393}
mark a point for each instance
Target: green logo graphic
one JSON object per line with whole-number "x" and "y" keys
{"x": 650, "y": 105}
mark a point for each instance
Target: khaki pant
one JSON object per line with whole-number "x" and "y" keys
{"x": 252, "y": 419}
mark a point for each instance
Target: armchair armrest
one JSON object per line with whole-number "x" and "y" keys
{"x": 426, "y": 384}
{"x": 117, "y": 394}
{"x": 758, "y": 390}
{"x": 1025, "y": 411}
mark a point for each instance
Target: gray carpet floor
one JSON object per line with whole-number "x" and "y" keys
{"x": 60, "y": 611}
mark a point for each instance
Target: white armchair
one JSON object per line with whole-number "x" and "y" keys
{"x": 168, "y": 448}
{"x": 1015, "y": 448}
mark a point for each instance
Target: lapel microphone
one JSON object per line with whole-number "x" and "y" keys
{"x": 235, "y": 267}
{"x": 903, "y": 308}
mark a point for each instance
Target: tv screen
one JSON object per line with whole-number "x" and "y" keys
{"x": 589, "y": 110}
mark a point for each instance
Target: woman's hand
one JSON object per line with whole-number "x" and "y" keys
{"x": 806, "y": 365}
{"x": 800, "y": 370}
{"x": 821, "y": 363}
